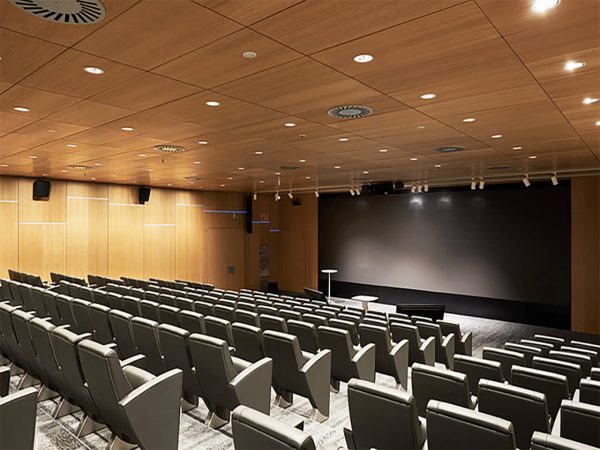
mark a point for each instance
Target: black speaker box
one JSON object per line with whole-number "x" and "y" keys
{"x": 41, "y": 190}
{"x": 249, "y": 201}
{"x": 143, "y": 194}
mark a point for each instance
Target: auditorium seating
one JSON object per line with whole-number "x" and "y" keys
{"x": 553, "y": 385}
{"x": 17, "y": 419}
{"x": 391, "y": 358}
{"x": 579, "y": 422}
{"x": 419, "y": 350}
{"x": 476, "y": 369}
{"x": 544, "y": 441}
{"x": 444, "y": 345}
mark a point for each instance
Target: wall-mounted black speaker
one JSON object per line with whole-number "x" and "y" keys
{"x": 143, "y": 194}
{"x": 249, "y": 201}
{"x": 41, "y": 190}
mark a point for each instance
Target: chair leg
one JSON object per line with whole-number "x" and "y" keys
{"x": 116, "y": 443}
{"x": 187, "y": 405}
{"x": 317, "y": 416}
{"x": 214, "y": 421}
{"x": 45, "y": 393}
{"x": 27, "y": 381}
{"x": 63, "y": 408}
{"x": 284, "y": 399}
{"x": 87, "y": 426}
{"x": 334, "y": 386}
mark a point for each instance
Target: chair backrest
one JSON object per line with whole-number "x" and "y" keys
{"x": 248, "y": 342}
{"x": 149, "y": 310}
{"x": 99, "y": 316}
{"x": 30, "y": 360}
{"x": 350, "y": 317}
{"x": 451, "y": 426}
{"x": 382, "y": 417}
{"x": 168, "y": 314}
{"x": 175, "y": 344}
{"x": 40, "y": 331}
{"x": 584, "y": 361}
{"x": 342, "y": 351}
{"x": 315, "y": 319}
{"x": 247, "y": 306}
{"x": 120, "y": 323}
{"x": 147, "y": 342}
{"x": 253, "y": 430}
{"x": 525, "y": 409}
{"x": 204, "y": 308}
{"x": 570, "y": 370}
{"x": 553, "y": 385}
{"x": 586, "y": 345}
{"x": 375, "y": 321}
{"x": 17, "y": 419}
{"x": 450, "y": 327}
{"x": 347, "y": 325}
{"x": 545, "y": 347}
{"x": 306, "y": 334}
{"x": 275, "y": 323}
{"x": 578, "y": 422}
{"x": 153, "y": 296}
{"x": 595, "y": 373}
{"x": 380, "y": 336}
{"x": 219, "y": 328}
{"x": 427, "y": 329}
{"x": 184, "y": 303}
{"x": 476, "y": 369}
{"x": 51, "y": 307}
{"x": 192, "y": 321}
{"x": 527, "y": 350}
{"x": 506, "y": 358}
{"x": 166, "y": 299}
{"x": 589, "y": 391}
{"x": 114, "y": 301}
{"x": 225, "y": 312}
{"x": 131, "y": 305}
{"x": 290, "y": 314}
{"x": 285, "y": 351}
{"x": 100, "y": 296}
{"x": 81, "y": 314}
{"x": 269, "y": 310}
{"x": 247, "y": 317}
{"x": 10, "y": 343}
{"x": 430, "y": 383}
{"x": 592, "y": 354}
{"x": 37, "y": 297}
{"x": 554, "y": 340}
{"x": 63, "y": 303}
{"x": 411, "y": 334}
{"x": 544, "y": 441}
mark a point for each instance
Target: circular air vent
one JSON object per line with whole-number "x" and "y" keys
{"x": 288, "y": 167}
{"x": 350, "y": 112}
{"x": 449, "y": 149}
{"x": 72, "y": 12}
{"x": 166, "y": 148}
{"x": 79, "y": 167}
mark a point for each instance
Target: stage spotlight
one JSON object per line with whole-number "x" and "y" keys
{"x": 419, "y": 188}
{"x": 481, "y": 184}
{"x": 290, "y": 195}
{"x": 352, "y": 192}
{"x": 358, "y": 190}
{"x": 526, "y": 181}
{"x": 426, "y": 187}
{"x": 554, "y": 179}
{"x": 317, "y": 193}
{"x": 413, "y": 189}
{"x": 473, "y": 184}
{"x": 254, "y": 196}
{"x": 277, "y": 196}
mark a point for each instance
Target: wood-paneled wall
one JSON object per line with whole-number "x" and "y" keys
{"x": 93, "y": 228}
{"x": 585, "y": 254}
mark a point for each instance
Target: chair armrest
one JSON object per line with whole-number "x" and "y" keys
{"x": 449, "y": 346}
{"x": 318, "y": 374}
{"x": 253, "y": 385}
{"x": 363, "y": 351}
{"x": 428, "y": 349}
{"x": 349, "y": 436}
{"x": 467, "y": 340}
{"x": 4, "y": 381}
{"x": 365, "y": 362}
{"x": 135, "y": 360}
{"x": 21, "y": 396}
{"x": 318, "y": 360}
{"x": 400, "y": 357}
{"x": 156, "y": 402}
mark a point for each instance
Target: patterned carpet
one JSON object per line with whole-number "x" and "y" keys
{"x": 60, "y": 434}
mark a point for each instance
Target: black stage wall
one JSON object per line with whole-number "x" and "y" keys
{"x": 502, "y": 253}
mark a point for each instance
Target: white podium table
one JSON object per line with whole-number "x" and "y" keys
{"x": 365, "y": 299}
{"x": 329, "y": 272}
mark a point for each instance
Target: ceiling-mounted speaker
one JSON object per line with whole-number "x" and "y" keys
{"x": 41, "y": 190}
{"x": 249, "y": 203}
{"x": 143, "y": 194}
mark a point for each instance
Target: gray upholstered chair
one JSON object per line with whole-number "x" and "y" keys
{"x": 52, "y": 308}
{"x": 586, "y": 345}
{"x": 570, "y": 370}
{"x": 306, "y": 334}
{"x": 149, "y": 310}
{"x": 228, "y": 382}
{"x": 382, "y": 418}
{"x": 454, "y": 427}
{"x": 253, "y": 430}
{"x": 554, "y": 340}
{"x": 528, "y": 351}
{"x": 192, "y": 321}
{"x": 527, "y": 410}
{"x": 391, "y": 358}
{"x": 506, "y": 358}
{"x": 588, "y": 392}
{"x": 138, "y": 407}
{"x": 584, "y": 361}
{"x": 204, "y": 308}
{"x": 219, "y": 328}
{"x": 27, "y": 354}
{"x": 131, "y": 305}
{"x": 168, "y": 314}
{"x": 544, "y": 441}
{"x": 99, "y": 316}
{"x": 595, "y": 373}
{"x": 419, "y": 350}
{"x": 224, "y": 311}
{"x": 120, "y": 323}
{"x": 463, "y": 342}
{"x": 553, "y": 385}
{"x": 177, "y": 355}
{"x": 114, "y": 301}
{"x": 4, "y": 380}
{"x": 579, "y": 422}
{"x": 444, "y": 345}
{"x": 347, "y": 361}
{"x": 298, "y": 372}
{"x": 545, "y": 347}
{"x": 147, "y": 343}
{"x": 185, "y": 304}
{"x": 290, "y": 314}
{"x": 476, "y": 369}
{"x": 248, "y": 342}
{"x": 315, "y": 319}
{"x": 17, "y": 419}
{"x": 81, "y": 314}
{"x": 270, "y": 322}
{"x": 37, "y": 297}
{"x": 592, "y": 354}
{"x": 350, "y": 326}
{"x": 247, "y": 306}
{"x": 63, "y": 303}
{"x": 431, "y": 383}
{"x": 247, "y": 317}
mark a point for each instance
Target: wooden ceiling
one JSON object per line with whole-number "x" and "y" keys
{"x": 496, "y": 61}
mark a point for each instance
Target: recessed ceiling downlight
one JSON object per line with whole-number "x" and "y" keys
{"x": 72, "y": 12}
{"x": 167, "y": 148}
{"x": 350, "y": 111}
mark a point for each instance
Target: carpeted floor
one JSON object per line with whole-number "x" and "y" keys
{"x": 59, "y": 434}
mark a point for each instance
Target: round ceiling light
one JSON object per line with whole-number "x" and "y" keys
{"x": 21, "y": 109}
{"x": 212, "y": 103}
{"x": 94, "y": 70}
{"x": 571, "y": 66}
{"x": 428, "y": 96}
{"x": 363, "y": 58}
{"x": 541, "y": 6}
{"x": 249, "y": 54}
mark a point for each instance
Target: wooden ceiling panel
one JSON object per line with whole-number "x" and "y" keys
{"x": 90, "y": 114}
{"x": 40, "y": 103}
{"x": 225, "y": 61}
{"x": 247, "y": 12}
{"x": 21, "y": 22}
{"x": 157, "y": 31}
{"x": 11, "y": 122}
{"x": 65, "y": 75}
{"x": 22, "y": 54}
{"x": 314, "y": 25}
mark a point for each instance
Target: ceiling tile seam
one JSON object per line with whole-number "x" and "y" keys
{"x": 536, "y": 80}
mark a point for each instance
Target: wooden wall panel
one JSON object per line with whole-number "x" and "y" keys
{"x": 159, "y": 251}
{"x": 225, "y": 249}
{"x": 585, "y": 254}
{"x": 189, "y": 236}
{"x": 87, "y": 229}
{"x": 9, "y": 225}
{"x": 42, "y": 248}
